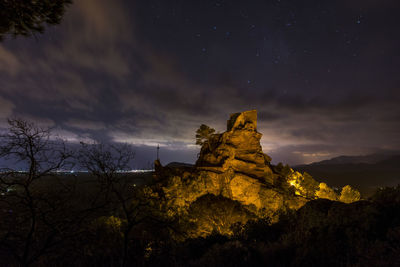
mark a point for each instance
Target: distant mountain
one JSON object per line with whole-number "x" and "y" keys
{"x": 368, "y": 159}
{"x": 366, "y": 173}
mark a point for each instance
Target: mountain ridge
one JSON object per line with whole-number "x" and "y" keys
{"x": 367, "y": 159}
{"x": 366, "y": 173}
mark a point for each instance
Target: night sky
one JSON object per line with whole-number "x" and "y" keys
{"x": 323, "y": 75}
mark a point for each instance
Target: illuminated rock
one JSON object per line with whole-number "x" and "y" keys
{"x": 259, "y": 197}
{"x": 237, "y": 149}
{"x": 232, "y": 165}
{"x": 303, "y": 184}
{"x": 265, "y": 199}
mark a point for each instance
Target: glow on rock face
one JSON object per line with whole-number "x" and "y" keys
{"x": 295, "y": 179}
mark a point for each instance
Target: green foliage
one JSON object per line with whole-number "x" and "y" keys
{"x": 216, "y": 214}
{"x": 27, "y": 17}
{"x": 258, "y": 230}
{"x": 203, "y": 134}
{"x": 282, "y": 170}
{"x": 322, "y": 233}
{"x": 310, "y": 185}
{"x": 349, "y": 195}
{"x": 387, "y": 196}
{"x": 326, "y": 192}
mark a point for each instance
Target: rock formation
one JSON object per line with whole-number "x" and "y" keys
{"x": 233, "y": 165}
{"x": 238, "y": 149}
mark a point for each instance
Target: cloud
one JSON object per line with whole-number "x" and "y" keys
{"x": 85, "y": 124}
{"x": 6, "y": 111}
{"x": 172, "y": 106}
{"x": 102, "y": 75}
{"x": 6, "y": 107}
{"x": 95, "y": 33}
{"x": 9, "y": 63}
{"x": 69, "y": 69}
{"x": 72, "y": 137}
{"x": 38, "y": 121}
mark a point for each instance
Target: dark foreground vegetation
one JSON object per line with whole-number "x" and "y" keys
{"x": 109, "y": 218}
{"x": 321, "y": 233}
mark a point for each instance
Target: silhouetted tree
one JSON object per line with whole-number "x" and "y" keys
{"x": 203, "y": 134}
{"x": 131, "y": 205}
{"x": 27, "y": 17}
{"x": 33, "y": 218}
{"x": 387, "y": 196}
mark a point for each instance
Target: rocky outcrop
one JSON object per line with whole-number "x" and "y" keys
{"x": 238, "y": 149}
{"x": 233, "y": 165}
{"x": 259, "y": 197}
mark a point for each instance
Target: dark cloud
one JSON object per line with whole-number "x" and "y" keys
{"x": 6, "y": 108}
{"x": 323, "y": 75}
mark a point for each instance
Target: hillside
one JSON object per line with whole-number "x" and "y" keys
{"x": 365, "y": 173}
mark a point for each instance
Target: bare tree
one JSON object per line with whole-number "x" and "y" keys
{"x": 46, "y": 216}
{"x": 109, "y": 163}
{"x": 29, "y": 228}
